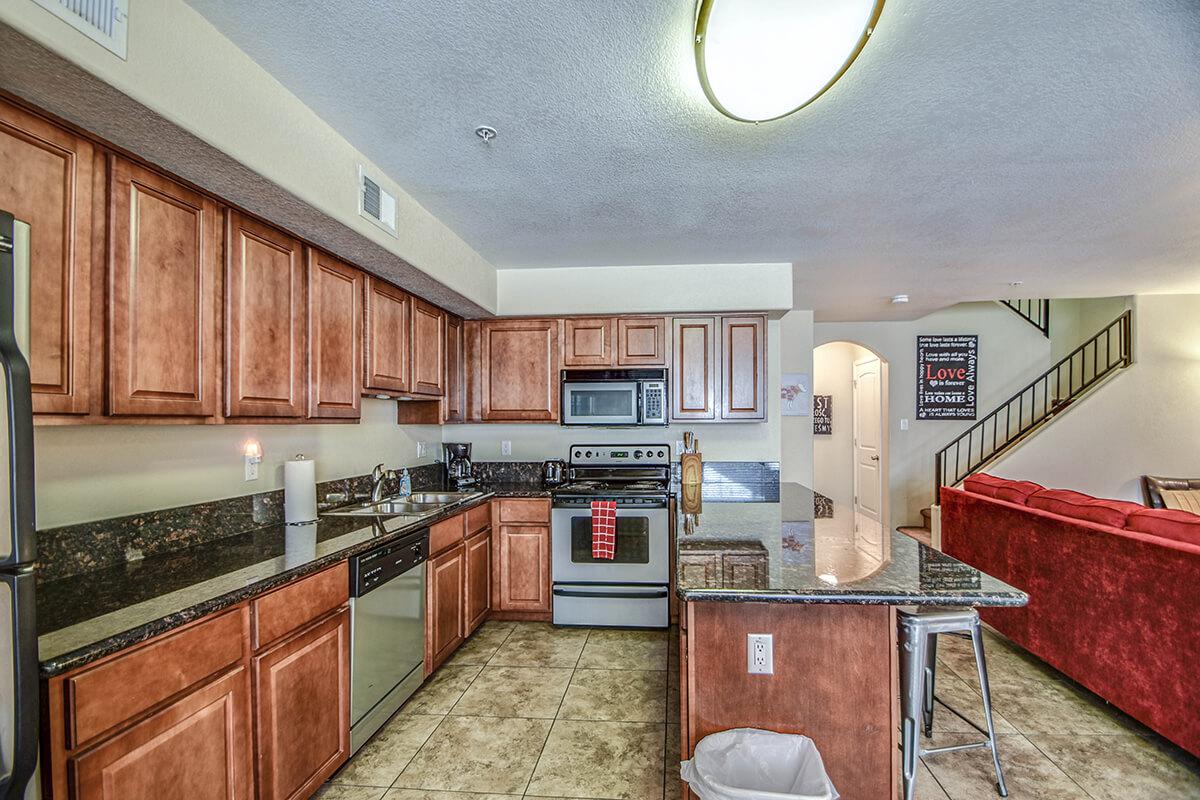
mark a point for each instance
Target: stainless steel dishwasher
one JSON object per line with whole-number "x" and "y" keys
{"x": 387, "y": 631}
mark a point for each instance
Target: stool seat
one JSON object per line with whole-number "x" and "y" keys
{"x": 940, "y": 620}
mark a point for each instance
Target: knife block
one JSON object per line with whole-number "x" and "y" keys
{"x": 691, "y": 469}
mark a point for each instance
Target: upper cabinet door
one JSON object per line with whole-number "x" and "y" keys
{"x": 428, "y": 348}
{"x": 46, "y": 182}
{"x": 335, "y": 298}
{"x": 388, "y": 337}
{"x": 164, "y": 289}
{"x": 264, "y": 329}
{"x": 454, "y": 406}
{"x": 519, "y": 370}
{"x": 588, "y": 342}
{"x": 641, "y": 342}
{"x": 743, "y": 367}
{"x": 694, "y": 368}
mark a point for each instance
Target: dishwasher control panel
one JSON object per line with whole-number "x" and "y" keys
{"x": 376, "y": 567}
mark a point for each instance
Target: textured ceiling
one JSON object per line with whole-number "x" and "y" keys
{"x": 971, "y": 144}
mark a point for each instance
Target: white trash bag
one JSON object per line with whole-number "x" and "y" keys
{"x": 752, "y": 764}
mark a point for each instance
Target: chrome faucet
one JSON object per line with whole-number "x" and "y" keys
{"x": 379, "y": 476}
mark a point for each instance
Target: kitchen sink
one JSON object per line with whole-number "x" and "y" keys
{"x": 442, "y": 498}
{"x": 416, "y": 505}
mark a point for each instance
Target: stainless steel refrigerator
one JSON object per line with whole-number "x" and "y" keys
{"x": 18, "y": 550}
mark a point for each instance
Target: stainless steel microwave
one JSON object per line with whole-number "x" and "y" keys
{"x": 617, "y": 397}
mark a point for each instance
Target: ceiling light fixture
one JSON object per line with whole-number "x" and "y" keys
{"x": 760, "y": 60}
{"x": 898, "y": 299}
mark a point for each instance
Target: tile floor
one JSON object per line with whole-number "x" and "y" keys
{"x": 527, "y": 710}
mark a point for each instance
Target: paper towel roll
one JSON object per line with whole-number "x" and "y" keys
{"x": 299, "y": 490}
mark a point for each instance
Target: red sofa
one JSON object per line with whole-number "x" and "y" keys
{"x": 1114, "y": 591}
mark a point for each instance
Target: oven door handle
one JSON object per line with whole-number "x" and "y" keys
{"x": 653, "y": 593}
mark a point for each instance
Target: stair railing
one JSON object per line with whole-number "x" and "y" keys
{"x": 1047, "y": 395}
{"x": 1035, "y": 312}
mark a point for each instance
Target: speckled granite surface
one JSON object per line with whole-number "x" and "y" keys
{"x": 779, "y": 552}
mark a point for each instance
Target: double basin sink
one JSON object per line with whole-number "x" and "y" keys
{"x": 417, "y": 504}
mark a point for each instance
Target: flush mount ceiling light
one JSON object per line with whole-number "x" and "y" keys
{"x": 760, "y": 60}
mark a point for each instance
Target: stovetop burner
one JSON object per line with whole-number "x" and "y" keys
{"x": 612, "y": 487}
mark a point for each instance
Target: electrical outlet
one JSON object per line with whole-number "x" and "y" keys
{"x": 678, "y": 446}
{"x": 252, "y": 463}
{"x": 506, "y": 448}
{"x": 422, "y": 449}
{"x": 760, "y": 654}
{"x": 903, "y": 424}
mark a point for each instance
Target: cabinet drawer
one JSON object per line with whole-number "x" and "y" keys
{"x": 537, "y": 510}
{"x": 478, "y": 518}
{"x": 118, "y": 690}
{"x": 284, "y": 610}
{"x": 446, "y": 533}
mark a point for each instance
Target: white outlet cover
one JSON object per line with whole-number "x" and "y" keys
{"x": 422, "y": 448}
{"x": 252, "y": 468}
{"x": 760, "y": 654}
{"x": 506, "y": 448}
{"x": 904, "y": 424}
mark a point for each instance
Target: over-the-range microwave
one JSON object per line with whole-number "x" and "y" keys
{"x": 618, "y": 397}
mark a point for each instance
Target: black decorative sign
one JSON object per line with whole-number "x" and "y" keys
{"x": 947, "y": 372}
{"x": 823, "y": 414}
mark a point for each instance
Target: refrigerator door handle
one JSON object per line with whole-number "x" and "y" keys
{"x": 18, "y": 399}
{"x": 25, "y": 686}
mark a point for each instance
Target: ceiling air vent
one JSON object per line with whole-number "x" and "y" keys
{"x": 103, "y": 21}
{"x": 374, "y": 203}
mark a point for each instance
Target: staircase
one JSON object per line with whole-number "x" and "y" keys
{"x": 1035, "y": 312}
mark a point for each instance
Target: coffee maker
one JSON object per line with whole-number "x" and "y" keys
{"x": 458, "y": 464}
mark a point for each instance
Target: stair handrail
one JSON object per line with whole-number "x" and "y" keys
{"x": 1035, "y": 311}
{"x": 1124, "y": 331}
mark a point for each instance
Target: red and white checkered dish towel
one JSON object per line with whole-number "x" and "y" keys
{"x": 604, "y": 529}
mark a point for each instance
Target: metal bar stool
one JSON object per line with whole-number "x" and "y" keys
{"x": 918, "y": 664}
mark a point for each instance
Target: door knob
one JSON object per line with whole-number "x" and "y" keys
{"x": 874, "y": 458}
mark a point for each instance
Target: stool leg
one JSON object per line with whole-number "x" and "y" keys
{"x": 981, "y": 665}
{"x": 930, "y": 682}
{"x": 912, "y": 681}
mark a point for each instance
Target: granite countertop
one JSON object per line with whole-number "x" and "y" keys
{"x": 754, "y": 551}
{"x": 86, "y": 616}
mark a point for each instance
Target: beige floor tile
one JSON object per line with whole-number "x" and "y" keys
{"x": 1123, "y": 767}
{"x": 388, "y": 752}
{"x": 1034, "y": 705}
{"x": 672, "y": 785}
{"x": 927, "y": 786}
{"x": 423, "y": 794}
{"x": 609, "y": 760}
{"x": 672, "y": 697}
{"x": 540, "y": 645}
{"x": 969, "y": 775}
{"x": 515, "y": 692}
{"x": 620, "y": 649}
{"x": 441, "y": 691}
{"x": 477, "y": 754}
{"x": 482, "y": 645}
{"x": 954, "y": 692}
{"x": 333, "y": 791}
{"x": 616, "y": 695}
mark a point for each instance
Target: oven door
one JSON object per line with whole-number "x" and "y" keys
{"x": 642, "y": 548}
{"x": 600, "y": 402}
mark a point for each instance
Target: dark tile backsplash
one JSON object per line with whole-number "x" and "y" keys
{"x": 507, "y": 471}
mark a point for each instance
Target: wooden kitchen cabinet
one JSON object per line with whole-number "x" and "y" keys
{"x": 302, "y": 709}
{"x": 743, "y": 367}
{"x": 164, "y": 287}
{"x": 444, "y": 609}
{"x": 589, "y": 342}
{"x": 388, "y": 345}
{"x": 694, "y": 368}
{"x": 46, "y": 180}
{"x": 641, "y": 342}
{"x": 519, "y": 362}
{"x": 477, "y": 585}
{"x": 719, "y": 368}
{"x": 454, "y": 401}
{"x": 335, "y": 301}
{"x": 428, "y": 348}
{"x": 265, "y": 338}
{"x": 524, "y": 567}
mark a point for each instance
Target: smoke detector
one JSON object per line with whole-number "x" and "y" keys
{"x": 899, "y": 299}
{"x": 486, "y": 132}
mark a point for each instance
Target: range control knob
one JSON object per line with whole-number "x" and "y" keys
{"x": 578, "y": 453}
{"x": 661, "y": 454}
{"x": 637, "y": 453}
{"x": 588, "y": 454}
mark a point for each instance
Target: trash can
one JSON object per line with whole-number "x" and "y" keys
{"x": 752, "y": 764}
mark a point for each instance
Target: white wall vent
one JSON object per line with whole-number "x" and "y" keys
{"x": 375, "y": 203}
{"x": 103, "y": 21}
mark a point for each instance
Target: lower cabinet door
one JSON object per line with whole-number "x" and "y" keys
{"x": 302, "y": 718}
{"x": 198, "y": 747}
{"x": 478, "y": 581}
{"x": 524, "y": 554}
{"x": 444, "y": 605}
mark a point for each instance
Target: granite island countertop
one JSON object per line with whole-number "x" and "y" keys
{"x": 780, "y": 552}
{"x": 86, "y": 616}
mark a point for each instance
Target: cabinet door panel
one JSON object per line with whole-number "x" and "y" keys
{"x": 388, "y": 337}
{"x": 641, "y": 342}
{"x": 694, "y": 368}
{"x": 520, "y": 370}
{"x": 302, "y": 718}
{"x": 588, "y": 342}
{"x": 444, "y": 606}
{"x": 743, "y": 367}
{"x": 198, "y": 747}
{"x": 46, "y": 180}
{"x": 164, "y": 288}
{"x": 524, "y": 555}
{"x": 265, "y": 321}
{"x": 335, "y": 297}
{"x": 478, "y": 584}
{"x": 428, "y": 348}
{"x": 455, "y": 404}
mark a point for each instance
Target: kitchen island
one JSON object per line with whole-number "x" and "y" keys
{"x": 827, "y": 594}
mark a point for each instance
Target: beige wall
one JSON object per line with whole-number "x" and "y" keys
{"x": 1074, "y": 321}
{"x": 833, "y": 455}
{"x": 94, "y": 472}
{"x": 796, "y": 438}
{"x": 1143, "y": 421}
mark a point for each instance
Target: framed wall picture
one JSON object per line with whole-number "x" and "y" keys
{"x": 794, "y": 390}
{"x": 822, "y": 415}
{"x": 947, "y": 374}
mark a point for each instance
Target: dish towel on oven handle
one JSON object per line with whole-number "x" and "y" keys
{"x": 604, "y": 529}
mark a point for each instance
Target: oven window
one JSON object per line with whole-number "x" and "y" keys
{"x": 633, "y": 541}
{"x": 602, "y": 403}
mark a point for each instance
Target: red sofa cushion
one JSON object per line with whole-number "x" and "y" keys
{"x": 1078, "y": 505}
{"x": 1001, "y": 488}
{"x": 1167, "y": 523}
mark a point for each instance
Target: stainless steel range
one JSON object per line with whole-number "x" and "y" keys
{"x": 631, "y": 589}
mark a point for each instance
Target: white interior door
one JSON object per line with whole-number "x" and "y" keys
{"x": 868, "y": 450}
